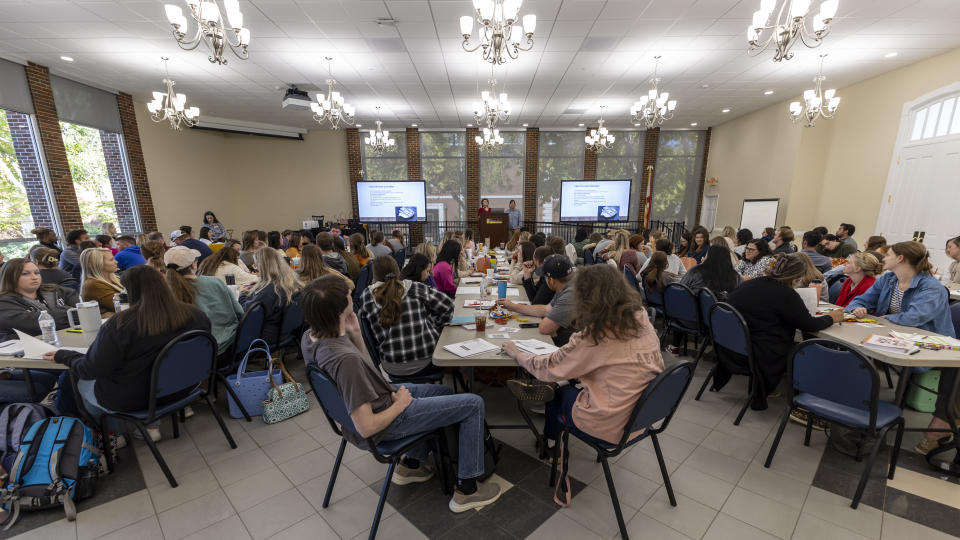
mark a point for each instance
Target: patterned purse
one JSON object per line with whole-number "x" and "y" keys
{"x": 285, "y": 400}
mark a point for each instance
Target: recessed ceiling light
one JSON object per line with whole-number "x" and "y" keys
{"x": 581, "y": 125}
{"x": 359, "y": 125}
{"x": 890, "y": 54}
{"x": 526, "y": 125}
{"x": 704, "y": 86}
{"x": 693, "y": 124}
{"x": 767, "y": 92}
{"x": 725, "y": 111}
{"x": 413, "y": 125}
{"x": 67, "y": 58}
{"x": 636, "y": 125}
{"x": 469, "y": 125}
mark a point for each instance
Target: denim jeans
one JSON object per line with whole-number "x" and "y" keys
{"x": 15, "y": 390}
{"x": 435, "y": 406}
{"x": 94, "y": 409}
{"x": 559, "y": 414}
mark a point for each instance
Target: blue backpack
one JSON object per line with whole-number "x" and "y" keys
{"x": 56, "y": 464}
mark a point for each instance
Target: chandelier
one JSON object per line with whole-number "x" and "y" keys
{"x": 212, "y": 31}
{"x": 331, "y": 108}
{"x": 379, "y": 139}
{"x": 600, "y": 139}
{"x": 490, "y": 110}
{"x": 490, "y": 139}
{"x": 789, "y": 26}
{"x": 499, "y": 37}
{"x": 654, "y": 108}
{"x": 817, "y": 103}
{"x": 172, "y": 106}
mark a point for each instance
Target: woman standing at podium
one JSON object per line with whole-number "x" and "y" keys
{"x": 484, "y": 207}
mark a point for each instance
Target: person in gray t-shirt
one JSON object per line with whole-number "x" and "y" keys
{"x": 377, "y": 246}
{"x": 560, "y": 313}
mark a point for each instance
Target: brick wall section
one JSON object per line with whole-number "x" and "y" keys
{"x": 113, "y": 155}
{"x": 703, "y": 172}
{"x": 354, "y": 165}
{"x": 48, "y": 126}
{"x": 651, "y": 141}
{"x": 589, "y": 160}
{"x": 414, "y": 173}
{"x": 138, "y": 169}
{"x": 473, "y": 174}
{"x": 530, "y": 171}
{"x": 31, "y": 171}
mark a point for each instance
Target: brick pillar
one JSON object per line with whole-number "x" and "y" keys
{"x": 530, "y": 171}
{"x": 651, "y": 142}
{"x": 48, "y": 126}
{"x": 138, "y": 170}
{"x": 473, "y": 175}
{"x": 113, "y": 155}
{"x": 354, "y": 166}
{"x": 414, "y": 173}
{"x": 703, "y": 171}
{"x": 589, "y": 161}
{"x": 31, "y": 172}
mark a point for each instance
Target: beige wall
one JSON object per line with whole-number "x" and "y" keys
{"x": 249, "y": 182}
{"x": 831, "y": 173}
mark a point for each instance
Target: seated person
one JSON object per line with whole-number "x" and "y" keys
{"x": 116, "y": 371}
{"x": 536, "y": 288}
{"x": 686, "y": 241}
{"x": 581, "y": 239}
{"x": 701, "y": 243}
{"x": 953, "y": 251}
{"x": 874, "y": 243}
{"x": 783, "y": 241}
{"x": 808, "y": 245}
{"x": 674, "y": 264}
{"x": 768, "y": 234}
{"x": 48, "y": 260}
{"x": 715, "y": 273}
{"x": 313, "y": 265}
{"x": 833, "y": 247}
{"x": 383, "y": 412}
{"x": 773, "y": 312}
{"x": 332, "y": 257}
{"x": 656, "y": 275}
{"x": 227, "y": 261}
{"x": 70, "y": 257}
{"x": 861, "y": 270}
{"x": 557, "y": 274}
{"x": 444, "y": 271}
{"x": 525, "y": 260}
{"x": 378, "y": 245}
{"x": 293, "y": 245}
{"x": 359, "y": 249}
{"x": 128, "y": 253}
{"x": 419, "y": 269}
{"x": 99, "y": 279}
{"x": 756, "y": 259}
{"x": 278, "y": 287}
{"x": 743, "y": 236}
{"x": 406, "y": 318}
{"x": 615, "y": 354}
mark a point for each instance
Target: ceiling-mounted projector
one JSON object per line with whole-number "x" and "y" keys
{"x": 296, "y": 99}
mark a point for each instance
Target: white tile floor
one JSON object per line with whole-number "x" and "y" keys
{"x": 272, "y": 485}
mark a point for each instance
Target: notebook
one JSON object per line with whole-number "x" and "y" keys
{"x": 460, "y": 321}
{"x": 890, "y": 344}
{"x": 485, "y": 304}
{"x": 535, "y": 346}
{"x": 471, "y": 347}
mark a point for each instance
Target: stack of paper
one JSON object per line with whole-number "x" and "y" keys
{"x": 470, "y": 280}
{"x": 535, "y": 346}
{"x": 485, "y": 304}
{"x": 35, "y": 349}
{"x": 471, "y": 347}
{"x": 468, "y": 290}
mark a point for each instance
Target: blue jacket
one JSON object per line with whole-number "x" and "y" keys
{"x": 129, "y": 258}
{"x": 925, "y": 303}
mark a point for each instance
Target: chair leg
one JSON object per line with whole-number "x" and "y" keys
{"x": 223, "y": 427}
{"x": 886, "y": 373}
{"x": 895, "y": 453}
{"x": 336, "y": 469}
{"x": 865, "y": 475}
{"x": 809, "y": 428}
{"x": 776, "y": 440}
{"x": 541, "y": 440}
{"x": 236, "y": 399}
{"x": 743, "y": 410}
{"x": 613, "y": 496}
{"x": 705, "y": 383}
{"x": 663, "y": 469}
{"x": 176, "y": 424}
{"x": 383, "y": 498}
{"x": 703, "y": 348}
{"x": 156, "y": 453}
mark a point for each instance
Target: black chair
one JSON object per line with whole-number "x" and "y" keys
{"x": 400, "y": 256}
{"x": 249, "y": 329}
{"x": 848, "y": 396}
{"x": 291, "y": 326}
{"x": 364, "y": 278}
{"x": 653, "y": 298}
{"x": 631, "y": 278}
{"x": 657, "y": 403}
{"x": 681, "y": 313}
{"x": 705, "y": 300}
{"x": 730, "y": 335}
{"x": 180, "y": 368}
{"x": 588, "y": 257}
{"x": 388, "y": 452}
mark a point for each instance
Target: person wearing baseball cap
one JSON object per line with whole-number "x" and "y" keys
{"x": 559, "y": 314}
{"x": 182, "y": 237}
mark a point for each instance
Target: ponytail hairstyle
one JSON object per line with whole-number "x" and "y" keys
{"x": 182, "y": 288}
{"x": 915, "y": 255}
{"x": 788, "y": 269}
{"x": 653, "y": 273}
{"x": 867, "y": 262}
{"x": 45, "y": 257}
{"x": 152, "y": 251}
{"x": 389, "y": 295}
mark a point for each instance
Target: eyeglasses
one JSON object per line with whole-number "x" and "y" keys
{"x": 750, "y": 249}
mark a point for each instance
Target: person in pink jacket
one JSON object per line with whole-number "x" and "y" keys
{"x": 615, "y": 353}
{"x": 444, "y": 273}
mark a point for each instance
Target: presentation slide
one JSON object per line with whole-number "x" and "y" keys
{"x": 595, "y": 200}
{"x": 392, "y": 201}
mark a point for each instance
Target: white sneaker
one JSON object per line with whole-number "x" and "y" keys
{"x": 154, "y": 432}
{"x": 187, "y": 411}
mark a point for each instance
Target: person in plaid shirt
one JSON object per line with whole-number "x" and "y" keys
{"x": 406, "y": 318}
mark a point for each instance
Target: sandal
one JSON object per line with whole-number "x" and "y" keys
{"x": 531, "y": 391}
{"x": 926, "y": 445}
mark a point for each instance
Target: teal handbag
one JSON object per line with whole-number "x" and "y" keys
{"x": 284, "y": 400}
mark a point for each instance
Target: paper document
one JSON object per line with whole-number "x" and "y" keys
{"x": 479, "y": 303}
{"x": 513, "y": 292}
{"x": 535, "y": 346}
{"x": 510, "y": 329}
{"x": 10, "y": 348}
{"x": 499, "y": 335}
{"x": 460, "y": 321}
{"x": 471, "y": 347}
{"x": 35, "y": 348}
{"x": 468, "y": 290}
{"x": 469, "y": 280}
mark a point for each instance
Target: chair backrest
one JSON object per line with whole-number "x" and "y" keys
{"x": 588, "y": 256}
{"x": 955, "y": 315}
{"x": 182, "y": 364}
{"x": 631, "y": 278}
{"x": 330, "y": 400}
{"x": 370, "y": 340}
{"x": 706, "y": 299}
{"x": 680, "y": 304}
{"x": 834, "y": 291}
{"x": 729, "y": 330}
{"x": 292, "y": 320}
{"x": 363, "y": 281}
{"x": 836, "y": 372}
{"x": 659, "y": 399}
{"x": 654, "y": 298}
{"x": 249, "y": 329}
{"x": 400, "y": 256}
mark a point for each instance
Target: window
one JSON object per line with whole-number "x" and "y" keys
{"x": 389, "y": 166}
{"x": 625, "y": 162}
{"x": 561, "y": 158}
{"x": 501, "y": 171}
{"x": 676, "y": 182}
{"x": 442, "y": 164}
{"x": 24, "y": 193}
{"x": 936, "y": 119}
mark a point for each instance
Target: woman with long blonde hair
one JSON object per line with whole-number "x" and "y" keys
{"x": 277, "y": 288}
{"x": 312, "y": 266}
{"x": 99, "y": 279}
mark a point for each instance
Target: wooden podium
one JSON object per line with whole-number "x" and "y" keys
{"x": 495, "y": 227}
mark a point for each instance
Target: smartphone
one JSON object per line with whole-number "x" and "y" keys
{"x": 529, "y": 325}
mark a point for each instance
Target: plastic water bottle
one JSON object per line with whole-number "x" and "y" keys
{"x": 48, "y": 329}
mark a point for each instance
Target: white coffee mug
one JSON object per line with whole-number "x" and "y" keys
{"x": 235, "y": 289}
{"x": 469, "y": 253}
{"x": 88, "y": 317}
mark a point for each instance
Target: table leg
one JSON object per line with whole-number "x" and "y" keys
{"x": 28, "y": 380}
{"x": 903, "y": 382}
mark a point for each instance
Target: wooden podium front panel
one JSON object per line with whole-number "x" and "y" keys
{"x": 495, "y": 227}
